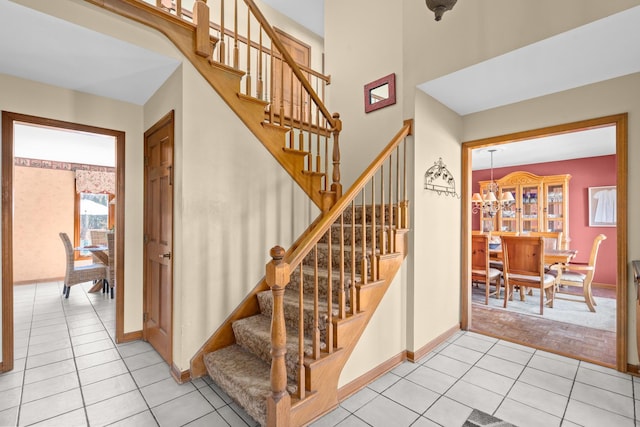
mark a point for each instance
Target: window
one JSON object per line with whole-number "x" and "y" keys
{"x": 92, "y": 212}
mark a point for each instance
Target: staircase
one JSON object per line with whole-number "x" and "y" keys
{"x": 280, "y": 353}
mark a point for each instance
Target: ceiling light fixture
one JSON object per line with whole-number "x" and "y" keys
{"x": 439, "y": 7}
{"x": 489, "y": 204}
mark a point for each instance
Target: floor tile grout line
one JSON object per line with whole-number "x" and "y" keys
{"x": 603, "y": 409}
{"x": 443, "y": 394}
{"x": 213, "y": 407}
{"x": 20, "y": 407}
{"x": 129, "y": 371}
{"x": 84, "y": 403}
{"x": 26, "y": 359}
{"x": 76, "y": 366}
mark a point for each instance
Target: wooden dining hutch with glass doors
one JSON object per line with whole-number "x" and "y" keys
{"x": 541, "y": 203}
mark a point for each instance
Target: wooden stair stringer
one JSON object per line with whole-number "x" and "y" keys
{"x": 224, "y": 335}
{"x": 323, "y": 376}
{"x": 224, "y": 80}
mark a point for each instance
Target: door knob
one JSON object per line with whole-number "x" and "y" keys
{"x": 167, "y": 255}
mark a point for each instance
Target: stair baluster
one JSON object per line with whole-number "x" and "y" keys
{"x": 279, "y": 402}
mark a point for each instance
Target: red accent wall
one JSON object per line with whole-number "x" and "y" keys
{"x": 585, "y": 173}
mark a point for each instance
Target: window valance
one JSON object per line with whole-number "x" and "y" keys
{"x": 95, "y": 182}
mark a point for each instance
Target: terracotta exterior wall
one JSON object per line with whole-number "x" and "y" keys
{"x": 43, "y": 207}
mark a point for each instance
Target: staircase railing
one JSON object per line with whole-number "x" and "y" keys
{"x": 293, "y": 93}
{"x": 379, "y": 198}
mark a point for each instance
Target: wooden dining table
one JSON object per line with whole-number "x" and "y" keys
{"x": 551, "y": 256}
{"x": 99, "y": 251}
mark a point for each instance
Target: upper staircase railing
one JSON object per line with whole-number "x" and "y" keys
{"x": 235, "y": 34}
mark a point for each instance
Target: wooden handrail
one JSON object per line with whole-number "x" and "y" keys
{"x": 295, "y": 255}
{"x": 257, "y": 46}
{"x": 289, "y": 60}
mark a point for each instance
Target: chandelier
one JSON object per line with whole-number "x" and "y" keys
{"x": 490, "y": 203}
{"x": 439, "y": 7}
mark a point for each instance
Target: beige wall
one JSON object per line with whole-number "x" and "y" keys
{"x": 358, "y": 51}
{"x": 43, "y": 201}
{"x": 435, "y": 250}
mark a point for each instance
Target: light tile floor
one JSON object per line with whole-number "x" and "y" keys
{"x": 69, "y": 372}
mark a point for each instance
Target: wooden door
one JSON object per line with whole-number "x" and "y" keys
{"x": 287, "y": 89}
{"x": 158, "y": 236}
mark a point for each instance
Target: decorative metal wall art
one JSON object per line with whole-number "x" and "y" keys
{"x": 439, "y": 179}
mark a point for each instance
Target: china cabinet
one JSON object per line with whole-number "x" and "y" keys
{"x": 541, "y": 203}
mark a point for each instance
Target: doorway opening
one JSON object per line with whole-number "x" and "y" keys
{"x": 12, "y": 124}
{"x": 500, "y": 327}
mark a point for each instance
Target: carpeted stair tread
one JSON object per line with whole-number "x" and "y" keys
{"x": 244, "y": 377}
{"x": 335, "y": 247}
{"x": 308, "y": 270}
{"x": 291, "y": 311}
{"x": 323, "y": 281}
{"x": 254, "y": 334}
{"x": 349, "y": 229}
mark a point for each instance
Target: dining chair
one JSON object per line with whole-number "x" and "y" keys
{"x": 523, "y": 262}
{"x": 79, "y": 274}
{"x": 98, "y": 237}
{"x": 576, "y": 275}
{"x": 481, "y": 271}
{"x": 552, "y": 239}
{"x": 496, "y": 263}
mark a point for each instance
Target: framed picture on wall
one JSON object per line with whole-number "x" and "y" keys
{"x": 602, "y": 206}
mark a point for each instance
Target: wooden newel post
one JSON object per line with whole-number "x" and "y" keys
{"x": 336, "y": 186}
{"x": 201, "y": 19}
{"x": 279, "y": 402}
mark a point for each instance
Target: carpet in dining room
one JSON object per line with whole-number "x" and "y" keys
{"x": 576, "y": 313}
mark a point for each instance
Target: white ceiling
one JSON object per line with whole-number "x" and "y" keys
{"x": 308, "y": 13}
{"x": 588, "y": 143}
{"x": 77, "y": 58}
{"x": 602, "y": 50}
{"x": 87, "y": 61}
{"x": 38, "y": 142}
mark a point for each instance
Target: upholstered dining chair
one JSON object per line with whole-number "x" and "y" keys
{"x": 523, "y": 259}
{"x": 574, "y": 275}
{"x": 79, "y": 274}
{"x": 480, "y": 269}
